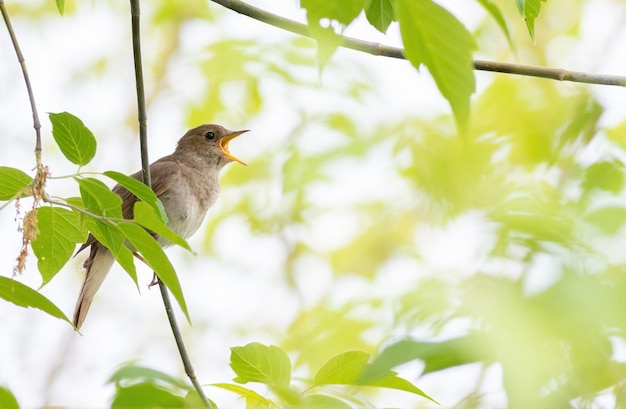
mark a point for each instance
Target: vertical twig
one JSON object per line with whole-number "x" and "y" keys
{"x": 31, "y": 96}
{"x": 145, "y": 167}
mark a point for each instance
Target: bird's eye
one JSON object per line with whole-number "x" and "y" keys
{"x": 209, "y": 135}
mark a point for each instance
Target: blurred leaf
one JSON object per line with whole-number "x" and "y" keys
{"x": 131, "y": 374}
{"x": 140, "y": 190}
{"x": 256, "y": 362}
{"x": 193, "y": 400}
{"x": 146, "y": 395}
{"x": 321, "y": 401}
{"x": 327, "y": 42}
{"x": 99, "y": 199}
{"x": 74, "y": 139}
{"x": 7, "y": 399}
{"x": 60, "y": 6}
{"x": 146, "y": 216}
{"x": 604, "y": 175}
{"x": 496, "y": 14}
{"x": 610, "y": 219}
{"x": 447, "y": 57}
{"x": 12, "y": 182}
{"x": 380, "y": 14}
{"x": 320, "y": 333}
{"x": 349, "y": 367}
{"x": 253, "y": 399}
{"x": 154, "y": 255}
{"x": 59, "y": 232}
{"x": 435, "y": 355}
{"x": 23, "y": 296}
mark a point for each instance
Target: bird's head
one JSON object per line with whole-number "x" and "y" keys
{"x": 210, "y": 142}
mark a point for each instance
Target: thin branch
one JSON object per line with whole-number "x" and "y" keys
{"x": 145, "y": 167}
{"x": 31, "y": 96}
{"x": 378, "y": 49}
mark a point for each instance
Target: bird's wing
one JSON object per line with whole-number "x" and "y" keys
{"x": 161, "y": 172}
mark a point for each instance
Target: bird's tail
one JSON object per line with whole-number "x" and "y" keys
{"x": 98, "y": 265}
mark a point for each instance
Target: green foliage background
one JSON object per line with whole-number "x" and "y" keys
{"x": 427, "y": 238}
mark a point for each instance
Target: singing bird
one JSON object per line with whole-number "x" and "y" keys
{"x": 187, "y": 182}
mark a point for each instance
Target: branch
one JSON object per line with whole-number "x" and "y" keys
{"x": 145, "y": 167}
{"x": 558, "y": 74}
{"x": 31, "y": 96}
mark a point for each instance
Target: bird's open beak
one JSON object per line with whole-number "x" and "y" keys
{"x": 224, "y": 144}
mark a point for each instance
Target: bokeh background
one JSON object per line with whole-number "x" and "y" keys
{"x": 361, "y": 219}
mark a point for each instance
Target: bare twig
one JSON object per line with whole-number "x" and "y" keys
{"x": 558, "y": 74}
{"x": 145, "y": 166}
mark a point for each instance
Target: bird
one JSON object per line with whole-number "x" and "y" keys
{"x": 186, "y": 182}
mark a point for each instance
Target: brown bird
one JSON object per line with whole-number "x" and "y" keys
{"x": 186, "y": 182}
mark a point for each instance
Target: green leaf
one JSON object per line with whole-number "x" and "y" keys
{"x": 12, "y": 182}
{"x": 24, "y": 296}
{"x": 153, "y": 253}
{"x": 343, "y": 12}
{"x": 256, "y": 362}
{"x": 380, "y": 14}
{"x": 146, "y": 216}
{"x": 434, "y": 37}
{"x": 530, "y": 9}
{"x": 60, "y": 6}
{"x": 604, "y": 175}
{"x": 343, "y": 369}
{"x": 140, "y": 374}
{"x": 609, "y": 219}
{"x": 321, "y": 401}
{"x": 112, "y": 238}
{"x": 496, "y": 14}
{"x": 7, "y": 399}
{"x": 74, "y": 139}
{"x": 253, "y": 399}
{"x": 349, "y": 368}
{"x": 146, "y": 395}
{"x": 140, "y": 190}
{"x": 59, "y": 231}
{"x": 99, "y": 199}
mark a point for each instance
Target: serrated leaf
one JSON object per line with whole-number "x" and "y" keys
{"x": 59, "y": 231}
{"x": 112, "y": 238}
{"x": 12, "y": 182}
{"x": 7, "y": 399}
{"x": 139, "y": 189}
{"x": 134, "y": 374}
{"x": 349, "y": 368}
{"x": 146, "y": 216}
{"x": 146, "y": 395}
{"x": 434, "y": 37}
{"x": 75, "y": 140}
{"x": 496, "y": 14}
{"x": 153, "y": 253}
{"x": 99, "y": 199}
{"x": 256, "y": 362}
{"x": 253, "y": 399}
{"x": 380, "y": 14}
{"x": 24, "y": 296}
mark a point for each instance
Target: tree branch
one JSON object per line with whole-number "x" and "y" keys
{"x": 558, "y": 74}
{"x": 145, "y": 167}
{"x": 31, "y": 96}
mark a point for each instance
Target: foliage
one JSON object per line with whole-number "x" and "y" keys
{"x": 540, "y": 298}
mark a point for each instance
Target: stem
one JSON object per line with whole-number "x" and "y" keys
{"x": 29, "y": 88}
{"x": 558, "y": 74}
{"x": 145, "y": 167}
